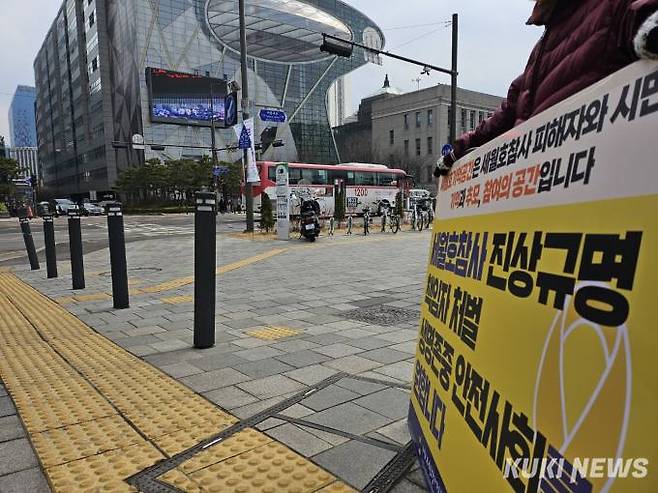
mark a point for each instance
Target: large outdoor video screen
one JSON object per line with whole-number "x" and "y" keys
{"x": 185, "y": 99}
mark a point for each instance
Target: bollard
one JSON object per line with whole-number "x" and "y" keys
{"x": 75, "y": 248}
{"x": 118, "y": 256}
{"x": 49, "y": 240}
{"x": 29, "y": 243}
{"x": 205, "y": 241}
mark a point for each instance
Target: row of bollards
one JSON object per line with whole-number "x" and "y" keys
{"x": 205, "y": 274}
{"x": 117, "y": 245}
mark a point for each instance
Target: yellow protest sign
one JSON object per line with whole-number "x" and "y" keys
{"x": 534, "y": 367}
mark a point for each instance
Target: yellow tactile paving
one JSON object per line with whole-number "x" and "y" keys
{"x": 97, "y": 414}
{"x": 179, "y": 480}
{"x": 83, "y": 440}
{"x": 236, "y": 444}
{"x": 270, "y": 468}
{"x": 178, "y": 300}
{"x": 92, "y": 297}
{"x": 273, "y": 333}
{"x": 183, "y": 439}
{"x": 41, "y": 413}
{"x": 104, "y": 472}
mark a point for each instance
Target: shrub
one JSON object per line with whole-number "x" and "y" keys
{"x": 266, "y": 213}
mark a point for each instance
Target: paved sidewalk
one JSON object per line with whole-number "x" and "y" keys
{"x": 286, "y": 322}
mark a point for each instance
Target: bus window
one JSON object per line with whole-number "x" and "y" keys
{"x": 294, "y": 175}
{"x": 386, "y": 179}
{"x": 337, "y": 174}
{"x": 365, "y": 178}
{"x": 314, "y": 176}
{"x": 351, "y": 179}
{"x": 271, "y": 173}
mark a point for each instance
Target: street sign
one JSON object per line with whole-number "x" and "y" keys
{"x": 231, "y": 110}
{"x": 219, "y": 170}
{"x": 245, "y": 139}
{"x": 269, "y": 115}
{"x": 138, "y": 142}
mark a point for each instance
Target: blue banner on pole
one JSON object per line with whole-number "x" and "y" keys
{"x": 245, "y": 139}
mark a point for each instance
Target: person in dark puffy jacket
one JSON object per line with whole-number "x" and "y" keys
{"x": 584, "y": 41}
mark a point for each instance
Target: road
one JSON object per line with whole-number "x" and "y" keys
{"x": 94, "y": 233}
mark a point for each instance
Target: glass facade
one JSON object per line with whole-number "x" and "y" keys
{"x": 92, "y": 88}
{"x": 22, "y": 124}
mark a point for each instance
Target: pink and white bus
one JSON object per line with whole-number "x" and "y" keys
{"x": 366, "y": 185}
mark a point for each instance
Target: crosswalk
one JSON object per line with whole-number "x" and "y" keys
{"x": 150, "y": 230}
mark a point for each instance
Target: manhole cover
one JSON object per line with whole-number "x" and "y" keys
{"x": 382, "y": 315}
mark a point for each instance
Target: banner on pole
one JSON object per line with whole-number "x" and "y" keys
{"x": 534, "y": 366}
{"x": 245, "y": 134}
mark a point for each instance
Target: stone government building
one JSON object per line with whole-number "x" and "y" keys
{"x": 408, "y": 130}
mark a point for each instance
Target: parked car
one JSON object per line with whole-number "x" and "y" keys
{"x": 91, "y": 209}
{"x": 44, "y": 208}
{"x": 64, "y": 206}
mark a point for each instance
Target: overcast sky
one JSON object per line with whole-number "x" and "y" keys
{"x": 494, "y": 43}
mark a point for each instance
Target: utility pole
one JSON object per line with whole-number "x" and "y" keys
{"x": 453, "y": 88}
{"x": 245, "y": 115}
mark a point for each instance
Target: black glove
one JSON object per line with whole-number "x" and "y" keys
{"x": 652, "y": 40}
{"x": 646, "y": 39}
{"x": 444, "y": 164}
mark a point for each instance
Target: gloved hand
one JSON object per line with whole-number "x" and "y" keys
{"x": 444, "y": 164}
{"x": 646, "y": 40}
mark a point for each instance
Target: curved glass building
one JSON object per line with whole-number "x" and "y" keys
{"x": 101, "y": 90}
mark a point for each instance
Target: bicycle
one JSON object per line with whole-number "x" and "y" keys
{"x": 393, "y": 221}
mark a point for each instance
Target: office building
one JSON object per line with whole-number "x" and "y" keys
{"x": 27, "y": 159}
{"x": 338, "y": 101}
{"x": 93, "y": 88}
{"x": 22, "y": 124}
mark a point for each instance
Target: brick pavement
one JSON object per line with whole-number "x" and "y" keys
{"x": 317, "y": 291}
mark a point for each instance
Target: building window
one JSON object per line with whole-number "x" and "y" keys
{"x": 391, "y": 137}
{"x": 406, "y": 121}
{"x": 417, "y": 147}
{"x": 464, "y": 119}
{"x": 472, "y": 119}
{"x": 430, "y": 146}
{"x": 406, "y": 147}
{"x": 430, "y": 118}
{"x": 480, "y": 116}
{"x": 417, "y": 119}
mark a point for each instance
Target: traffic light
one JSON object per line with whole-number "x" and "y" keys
{"x": 336, "y": 47}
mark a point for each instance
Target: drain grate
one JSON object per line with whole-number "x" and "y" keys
{"x": 382, "y": 315}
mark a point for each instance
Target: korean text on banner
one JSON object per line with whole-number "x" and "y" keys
{"x": 535, "y": 362}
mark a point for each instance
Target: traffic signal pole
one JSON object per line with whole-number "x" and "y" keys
{"x": 248, "y": 190}
{"x": 453, "y": 76}
{"x": 344, "y": 48}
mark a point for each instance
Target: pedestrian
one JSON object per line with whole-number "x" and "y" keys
{"x": 349, "y": 225}
{"x": 230, "y": 206}
{"x": 332, "y": 224}
{"x": 222, "y": 205}
{"x": 584, "y": 41}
